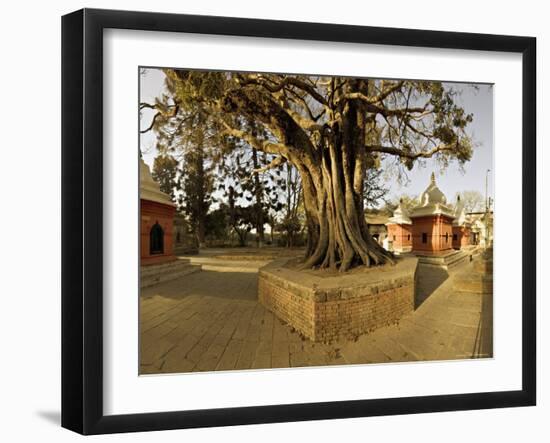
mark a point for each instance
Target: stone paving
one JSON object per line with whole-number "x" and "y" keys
{"x": 212, "y": 321}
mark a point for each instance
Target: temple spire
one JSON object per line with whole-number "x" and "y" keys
{"x": 433, "y": 178}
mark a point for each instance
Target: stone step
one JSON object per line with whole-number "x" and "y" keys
{"x": 163, "y": 267}
{"x": 228, "y": 268}
{"x": 446, "y": 261}
{"x": 155, "y": 274}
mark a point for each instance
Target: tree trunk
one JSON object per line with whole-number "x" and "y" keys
{"x": 258, "y": 191}
{"x": 272, "y": 229}
{"x": 333, "y": 200}
{"x": 202, "y": 206}
{"x": 241, "y": 235}
{"x": 338, "y": 236}
{"x": 201, "y": 236}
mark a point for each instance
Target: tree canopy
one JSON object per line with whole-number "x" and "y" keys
{"x": 331, "y": 129}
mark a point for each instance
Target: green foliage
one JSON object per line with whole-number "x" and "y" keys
{"x": 217, "y": 223}
{"x": 165, "y": 168}
{"x": 407, "y": 201}
{"x": 196, "y": 186}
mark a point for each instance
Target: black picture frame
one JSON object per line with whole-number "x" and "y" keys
{"x": 82, "y": 218}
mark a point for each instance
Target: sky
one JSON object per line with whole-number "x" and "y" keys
{"x": 472, "y": 176}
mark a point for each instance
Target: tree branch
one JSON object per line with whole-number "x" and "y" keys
{"x": 374, "y": 99}
{"x": 277, "y": 161}
{"x": 276, "y": 87}
{"x": 260, "y": 145}
{"x": 160, "y": 112}
{"x": 303, "y": 122}
{"x": 143, "y": 131}
{"x": 410, "y": 155}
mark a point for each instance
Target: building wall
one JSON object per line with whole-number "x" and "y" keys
{"x": 150, "y": 213}
{"x": 439, "y": 234}
{"x": 401, "y": 237}
{"x": 462, "y": 234}
{"x": 379, "y": 232}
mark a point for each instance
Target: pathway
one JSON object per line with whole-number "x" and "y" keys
{"x": 211, "y": 320}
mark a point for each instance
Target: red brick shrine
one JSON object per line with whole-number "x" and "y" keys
{"x": 461, "y": 227}
{"x": 432, "y": 222}
{"x": 156, "y": 221}
{"x": 400, "y": 230}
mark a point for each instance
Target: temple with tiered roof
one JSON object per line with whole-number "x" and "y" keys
{"x": 432, "y": 218}
{"x": 432, "y": 227}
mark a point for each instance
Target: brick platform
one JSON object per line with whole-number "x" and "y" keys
{"x": 329, "y": 308}
{"x": 447, "y": 260}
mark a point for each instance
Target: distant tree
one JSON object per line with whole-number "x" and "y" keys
{"x": 196, "y": 186}
{"x": 376, "y": 192}
{"x": 187, "y": 137}
{"x": 258, "y": 191}
{"x": 292, "y": 206}
{"x": 473, "y": 201}
{"x": 165, "y": 171}
{"x": 241, "y": 219}
{"x": 408, "y": 201}
{"x": 273, "y": 224}
{"x": 242, "y": 174}
{"x": 217, "y": 225}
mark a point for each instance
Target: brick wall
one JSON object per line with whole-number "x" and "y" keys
{"x": 326, "y": 314}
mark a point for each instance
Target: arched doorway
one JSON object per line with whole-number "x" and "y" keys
{"x": 156, "y": 239}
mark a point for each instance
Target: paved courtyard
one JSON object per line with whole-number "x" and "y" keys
{"x": 211, "y": 320}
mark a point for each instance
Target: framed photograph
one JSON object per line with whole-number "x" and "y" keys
{"x": 269, "y": 221}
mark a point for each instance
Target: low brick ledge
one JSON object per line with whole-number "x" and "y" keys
{"x": 330, "y": 308}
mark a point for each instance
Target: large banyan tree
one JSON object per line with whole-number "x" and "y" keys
{"x": 332, "y": 129}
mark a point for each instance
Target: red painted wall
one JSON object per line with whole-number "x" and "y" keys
{"x": 439, "y": 231}
{"x": 150, "y": 213}
{"x": 462, "y": 237}
{"x": 401, "y": 236}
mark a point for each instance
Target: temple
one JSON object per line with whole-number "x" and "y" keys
{"x": 432, "y": 219}
{"x": 400, "y": 230}
{"x": 433, "y": 227}
{"x": 157, "y": 221}
{"x": 461, "y": 226}
{"x": 158, "y": 234}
